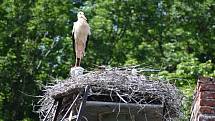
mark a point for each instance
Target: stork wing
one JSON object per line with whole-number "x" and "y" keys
{"x": 73, "y": 40}
{"x": 88, "y": 37}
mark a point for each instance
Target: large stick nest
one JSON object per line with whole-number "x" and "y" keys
{"x": 130, "y": 87}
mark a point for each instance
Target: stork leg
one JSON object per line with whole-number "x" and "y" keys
{"x": 78, "y": 62}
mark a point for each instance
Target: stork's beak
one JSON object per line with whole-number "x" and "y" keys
{"x": 82, "y": 16}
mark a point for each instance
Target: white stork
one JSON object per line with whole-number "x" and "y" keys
{"x": 80, "y": 35}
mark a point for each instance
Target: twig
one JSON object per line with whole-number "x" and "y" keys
{"x": 29, "y": 95}
{"x": 70, "y": 107}
{"x": 57, "y": 109}
{"x": 49, "y": 111}
{"x": 145, "y": 117}
{"x": 83, "y": 103}
{"x": 121, "y": 97}
{"x": 118, "y": 112}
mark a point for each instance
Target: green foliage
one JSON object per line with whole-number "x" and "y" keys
{"x": 185, "y": 77}
{"x": 177, "y": 37}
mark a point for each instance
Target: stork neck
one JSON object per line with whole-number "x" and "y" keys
{"x": 81, "y": 20}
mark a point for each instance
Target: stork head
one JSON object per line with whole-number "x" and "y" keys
{"x": 81, "y": 15}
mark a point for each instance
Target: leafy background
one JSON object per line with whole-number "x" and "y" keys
{"x": 174, "y": 36}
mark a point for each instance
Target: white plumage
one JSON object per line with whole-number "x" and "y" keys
{"x": 76, "y": 71}
{"x": 80, "y": 33}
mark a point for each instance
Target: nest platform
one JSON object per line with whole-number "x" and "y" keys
{"x": 117, "y": 91}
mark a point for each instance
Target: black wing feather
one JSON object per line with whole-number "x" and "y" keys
{"x": 73, "y": 40}
{"x": 88, "y": 37}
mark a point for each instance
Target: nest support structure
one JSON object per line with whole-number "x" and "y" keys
{"x": 66, "y": 100}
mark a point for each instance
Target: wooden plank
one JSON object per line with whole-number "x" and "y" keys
{"x": 140, "y": 112}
